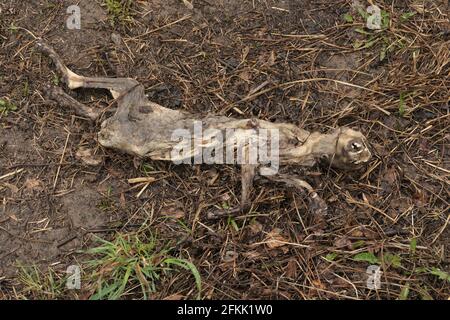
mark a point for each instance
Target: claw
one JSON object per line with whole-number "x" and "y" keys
{"x": 317, "y": 205}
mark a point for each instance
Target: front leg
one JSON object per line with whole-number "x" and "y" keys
{"x": 316, "y": 204}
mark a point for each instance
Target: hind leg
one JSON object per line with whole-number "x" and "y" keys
{"x": 317, "y": 205}
{"x": 117, "y": 86}
{"x": 63, "y": 99}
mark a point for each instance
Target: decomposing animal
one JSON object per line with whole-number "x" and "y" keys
{"x": 145, "y": 129}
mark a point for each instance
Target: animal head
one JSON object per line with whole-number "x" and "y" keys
{"x": 351, "y": 150}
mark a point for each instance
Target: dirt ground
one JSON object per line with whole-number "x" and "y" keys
{"x": 232, "y": 57}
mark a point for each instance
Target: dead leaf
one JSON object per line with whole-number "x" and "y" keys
{"x": 173, "y": 210}
{"x": 115, "y": 173}
{"x": 274, "y": 239}
{"x": 255, "y": 228}
{"x": 87, "y": 156}
{"x": 230, "y": 256}
{"x": 318, "y": 284}
{"x": 33, "y": 184}
{"x": 245, "y": 75}
{"x": 176, "y": 214}
{"x": 357, "y": 232}
{"x": 343, "y": 242}
{"x": 369, "y": 234}
{"x": 291, "y": 269}
{"x": 122, "y": 200}
{"x": 380, "y": 149}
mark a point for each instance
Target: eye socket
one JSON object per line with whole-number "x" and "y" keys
{"x": 356, "y": 146}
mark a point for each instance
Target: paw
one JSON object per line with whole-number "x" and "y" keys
{"x": 317, "y": 205}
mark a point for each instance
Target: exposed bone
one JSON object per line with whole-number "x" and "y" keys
{"x": 144, "y": 128}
